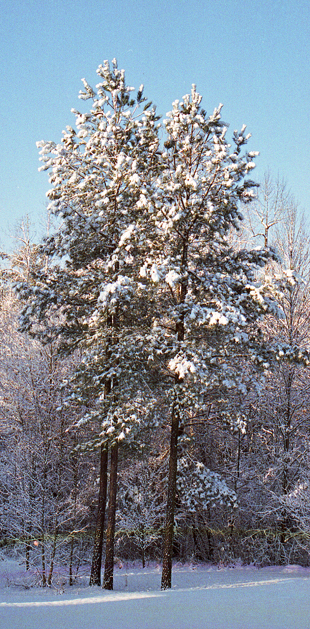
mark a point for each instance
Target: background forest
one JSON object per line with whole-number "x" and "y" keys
{"x": 114, "y": 339}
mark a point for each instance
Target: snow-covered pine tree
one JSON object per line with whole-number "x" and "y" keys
{"x": 198, "y": 487}
{"x": 91, "y": 295}
{"x": 208, "y": 302}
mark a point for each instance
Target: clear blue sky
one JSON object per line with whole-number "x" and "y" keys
{"x": 251, "y": 55}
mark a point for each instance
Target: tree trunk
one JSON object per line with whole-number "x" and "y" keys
{"x": 53, "y": 553}
{"x": 172, "y": 479}
{"x": 43, "y": 555}
{"x": 109, "y": 555}
{"x": 175, "y": 426}
{"x": 142, "y": 545}
{"x": 95, "y": 575}
{"x": 28, "y": 549}
{"x": 71, "y": 561}
{"x": 286, "y": 449}
{"x": 43, "y": 560}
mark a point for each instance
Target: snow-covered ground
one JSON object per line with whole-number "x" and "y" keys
{"x": 202, "y": 597}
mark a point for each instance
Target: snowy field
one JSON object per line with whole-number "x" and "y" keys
{"x": 202, "y": 597}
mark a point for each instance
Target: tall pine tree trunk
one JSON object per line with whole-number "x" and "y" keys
{"x": 175, "y": 427}
{"x": 95, "y": 575}
{"x": 172, "y": 479}
{"x": 109, "y": 555}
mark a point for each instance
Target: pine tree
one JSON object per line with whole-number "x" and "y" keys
{"x": 91, "y": 296}
{"x": 208, "y": 300}
{"x": 143, "y": 268}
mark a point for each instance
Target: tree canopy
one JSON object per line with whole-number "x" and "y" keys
{"x": 146, "y": 278}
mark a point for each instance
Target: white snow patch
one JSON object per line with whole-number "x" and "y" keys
{"x": 202, "y": 597}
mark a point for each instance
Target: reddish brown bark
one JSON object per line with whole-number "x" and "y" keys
{"x": 95, "y": 575}
{"x": 109, "y": 557}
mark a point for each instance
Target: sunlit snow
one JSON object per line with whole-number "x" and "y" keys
{"x": 202, "y": 597}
